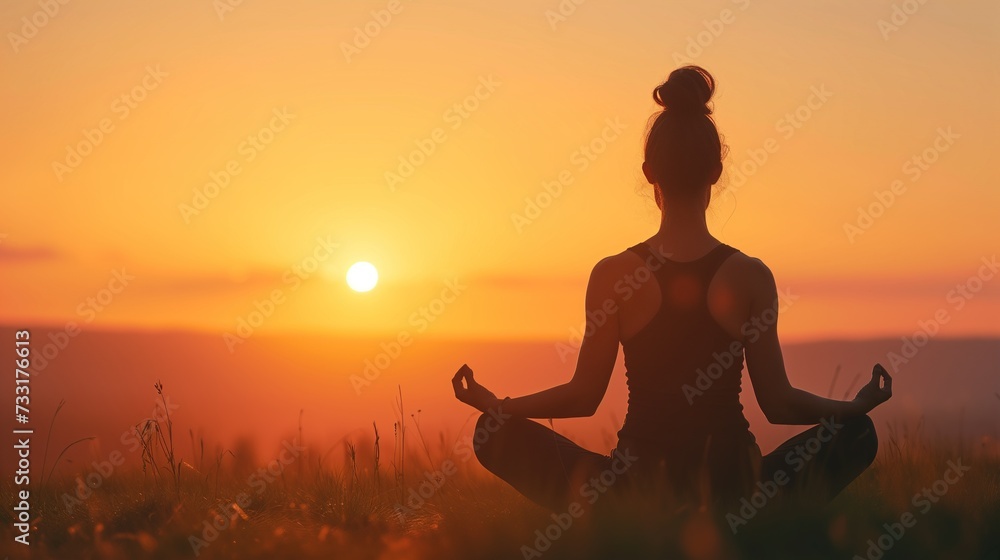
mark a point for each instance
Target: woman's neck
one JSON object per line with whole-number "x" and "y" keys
{"x": 684, "y": 230}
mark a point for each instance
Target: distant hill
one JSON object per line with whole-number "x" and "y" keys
{"x": 257, "y": 391}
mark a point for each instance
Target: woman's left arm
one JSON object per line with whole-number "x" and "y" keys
{"x": 581, "y": 395}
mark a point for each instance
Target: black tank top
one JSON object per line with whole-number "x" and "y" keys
{"x": 683, "y": 373}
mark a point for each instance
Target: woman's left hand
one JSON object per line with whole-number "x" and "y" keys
{"x": 474, "y": 394}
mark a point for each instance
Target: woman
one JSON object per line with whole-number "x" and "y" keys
{"x": 687, "y": 310}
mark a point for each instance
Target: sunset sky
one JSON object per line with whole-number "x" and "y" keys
{"x": 119, "y": 116}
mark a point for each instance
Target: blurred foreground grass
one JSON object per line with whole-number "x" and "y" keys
{"x": 438, "y": 503}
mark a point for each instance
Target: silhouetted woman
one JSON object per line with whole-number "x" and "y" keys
{"x": 686, "y": 309}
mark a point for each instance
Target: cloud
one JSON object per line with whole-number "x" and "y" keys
{"x": 913, "y": 287}
{"x": 14, "y": 254}
{"x": 529, "y": 282}
{"x": 217, "y": 283}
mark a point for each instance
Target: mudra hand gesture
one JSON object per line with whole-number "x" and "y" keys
{"x": 472, "y": 393}
{"x": 875, "y": 392}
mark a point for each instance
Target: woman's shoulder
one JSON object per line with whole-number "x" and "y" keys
{"x": 748, "y": 271}
{"x": 626, "y": 260}
{"x": 612, "y": 269}
{"x": 746, "y": 263}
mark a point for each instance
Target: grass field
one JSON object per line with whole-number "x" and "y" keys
{"x": 410, "y": 499}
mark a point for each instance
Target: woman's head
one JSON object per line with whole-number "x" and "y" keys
{"x": 684, "y": 153}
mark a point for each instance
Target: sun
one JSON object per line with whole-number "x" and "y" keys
{"x": 362, "y": 276}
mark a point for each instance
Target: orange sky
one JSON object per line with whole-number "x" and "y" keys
{"x": 303, "y": 118}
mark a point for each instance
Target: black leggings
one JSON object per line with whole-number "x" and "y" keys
{"x": 556, "y": 473}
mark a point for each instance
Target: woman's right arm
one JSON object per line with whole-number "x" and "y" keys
{"x": 779, "y": 400}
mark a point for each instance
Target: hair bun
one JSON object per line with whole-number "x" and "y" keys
{"x": 687, "y": 91}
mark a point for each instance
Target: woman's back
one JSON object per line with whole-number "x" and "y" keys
{"x": 683, "y": 363}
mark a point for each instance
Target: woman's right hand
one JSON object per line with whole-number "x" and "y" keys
{"x": 875, "y": 392}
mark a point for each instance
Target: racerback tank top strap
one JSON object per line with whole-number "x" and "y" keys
{"x": 683, "y": 284}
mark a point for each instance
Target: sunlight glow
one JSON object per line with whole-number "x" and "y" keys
{"x": 362, "y": 276}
